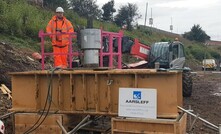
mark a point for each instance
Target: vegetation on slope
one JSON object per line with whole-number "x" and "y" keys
{"x": 21, "y": 22}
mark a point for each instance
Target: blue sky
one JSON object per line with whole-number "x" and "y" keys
{"x": 183, "y": 13}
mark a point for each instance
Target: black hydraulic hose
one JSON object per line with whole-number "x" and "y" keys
{"x": 48, "y": 98}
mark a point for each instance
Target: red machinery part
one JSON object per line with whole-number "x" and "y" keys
{"x": 140, "y": 50}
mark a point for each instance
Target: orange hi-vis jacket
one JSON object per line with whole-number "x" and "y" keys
{"x": 60, "y": 42}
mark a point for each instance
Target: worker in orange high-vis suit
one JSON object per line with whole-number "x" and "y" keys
{"x": 60, "y": 42}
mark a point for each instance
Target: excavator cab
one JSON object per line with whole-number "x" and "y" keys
{"x": 177, "y": 55}
{"x": 169, "y": 55}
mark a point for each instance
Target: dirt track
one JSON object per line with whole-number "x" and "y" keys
{"x": 205, "y": 101}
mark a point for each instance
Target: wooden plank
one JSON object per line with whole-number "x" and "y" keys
{"x": 109, "y": 82}
{"x": 143, "y": 126}
{"x": 135, "y": 81}
{"x": 24, "y": 121}
{"x": 43, "y": 129}
{"x": 103, "y": 92}
{"x": 182, "y": 124}
{"x": 179, "y": 92}
{"x": 159, "y": 126}
{"x": 60, "y": 93}
{"x": 8, "y": 91}
{"x": 91, "y": 92}
{"x": 3, "y": 90}
{"x": 37, "y": 92}
{"x": 65, "y": 92}
{"x": 96, "y": 93}
{"x": 84, "y": 93}
{"x": 72, "y": 96}
{"x": 78, "y": 93}
{"x": 115, "y": 131}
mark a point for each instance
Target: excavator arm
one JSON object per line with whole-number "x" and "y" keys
{"x": 140, "y": 50}
{"x": 135, "y": 48}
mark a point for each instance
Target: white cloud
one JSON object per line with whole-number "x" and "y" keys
{"x": 188, "y": 4}
{"x": 184, "y": 13}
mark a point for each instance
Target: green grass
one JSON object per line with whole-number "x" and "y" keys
{"x": 20, "y": 42}
{"x": 21, "y": 22}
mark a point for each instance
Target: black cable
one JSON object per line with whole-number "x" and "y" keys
{"x": 48, "y": 98}
{"x": 30, "y": 129}
{"x": 27, "y": 131}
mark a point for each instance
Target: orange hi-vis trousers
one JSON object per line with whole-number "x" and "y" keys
{"x": 60, "y": 56}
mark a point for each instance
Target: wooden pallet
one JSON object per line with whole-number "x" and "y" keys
{"x": 157, "y": 126}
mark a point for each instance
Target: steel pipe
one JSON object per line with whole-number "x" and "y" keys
{"x": 203, "y": 120}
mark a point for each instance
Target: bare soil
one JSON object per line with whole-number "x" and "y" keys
{"x": 205, "y": 100}
{"x": 12, "y": 60}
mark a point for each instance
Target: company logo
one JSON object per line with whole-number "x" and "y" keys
{"x": 137, "y": 99}
{"x": 137, "y": 95}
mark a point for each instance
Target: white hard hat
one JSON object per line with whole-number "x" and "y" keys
{"x": 60, "y": 9}
{"x": 2, "y": 127}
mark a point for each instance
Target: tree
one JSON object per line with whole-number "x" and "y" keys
{"x": 53, "y": 4}
{"x": 196, "y": 34}
{"x": 108, "y": 10}
{"x": 127, "y": 15}
{"x": 85, "y": 8}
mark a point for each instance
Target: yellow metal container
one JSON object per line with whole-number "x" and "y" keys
{"x": 94, "y": 91}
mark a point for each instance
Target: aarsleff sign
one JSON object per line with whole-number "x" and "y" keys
{"x": 137, "y": 102}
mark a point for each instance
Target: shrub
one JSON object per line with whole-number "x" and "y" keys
{"x": 22, "y": 20}
{"x": 197, "y": 52}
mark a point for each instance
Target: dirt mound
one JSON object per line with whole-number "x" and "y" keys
{"x": 15, "y": 60}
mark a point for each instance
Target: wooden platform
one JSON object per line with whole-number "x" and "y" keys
{"x": 158, "y": 126}
{"x": 25, "y": 121}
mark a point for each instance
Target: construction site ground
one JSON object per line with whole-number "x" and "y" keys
{"x": 205, "y": 99}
